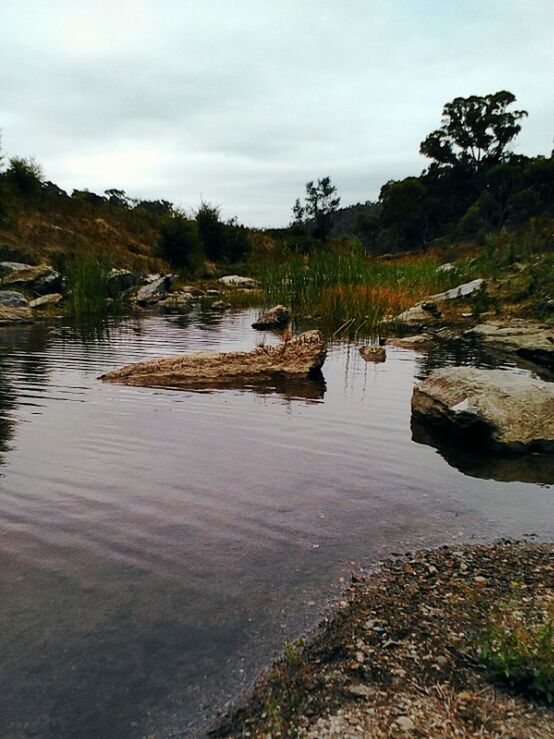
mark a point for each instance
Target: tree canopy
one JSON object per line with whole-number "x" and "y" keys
{"x": 321, "y": 203}
{"x": 475, "y": 131}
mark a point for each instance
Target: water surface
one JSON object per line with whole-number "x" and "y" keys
{"x": 156, "y": 546}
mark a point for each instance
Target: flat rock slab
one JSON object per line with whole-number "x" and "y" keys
{"x": 530, "y": 340}
{"x": 298, "y": 358}
{"x": 501, "y": 409}
{"x": 238, "y": 281}
{"x": 419, "y": 341}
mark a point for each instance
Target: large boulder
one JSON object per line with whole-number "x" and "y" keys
{"x": 419, "y": 316}
{"x": 496, "y": 408}
{"x": 13, "y": 299}
{"x": 238, "y": 281}
{"x": 154, "y": 290}
{"x": 527, "y": 339}
{"x": 298, "y": 358}
{"x": 276, "y": 317}
{"x": 41, "y": 279}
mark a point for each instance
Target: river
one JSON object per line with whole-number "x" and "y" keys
{"x": 158, "y": 546}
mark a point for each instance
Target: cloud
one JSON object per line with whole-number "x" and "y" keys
{"x": 244, "y": 102}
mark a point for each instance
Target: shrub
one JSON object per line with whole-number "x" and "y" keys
{"x": 517, "y": 643}
{"x": 179, "y": 244}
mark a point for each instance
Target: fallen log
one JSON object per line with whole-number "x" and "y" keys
{"x": 302, "y": 356}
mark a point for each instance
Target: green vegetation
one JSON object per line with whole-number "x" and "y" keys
{"x": 317, "y": 215}
{"x": 517, "y": 642}
{"x": 350, "y": 285}
{"x": 87, "y": 285}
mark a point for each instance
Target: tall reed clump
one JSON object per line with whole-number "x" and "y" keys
{"x": 342, "y": 286}
{"x": 87, "y": 282}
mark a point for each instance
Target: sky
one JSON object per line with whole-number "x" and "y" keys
{"x": 241, "y": 102}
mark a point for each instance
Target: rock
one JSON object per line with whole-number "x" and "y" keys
{"x": 496, "y": 408}
{"x": 213, "y": 293}
{"x": 298, "y": 358}
{"x": 220, "y": 305}
{"x": 418, "y": 316}
{"x": 195, "y": 292}
{"x": 154, "y": 289}
{"x": 461, "y": 291}
{"x": 419, "y": 341}
{"x": 359, "y": 690}
{"x": 373, "y": 353}
{"x": 10, "y": 315}
{"x": 527, "y": 339}
{"x": 41, "y": 279}
{"x": 405, "y": 723}
{"x": 238, "y": 281}
{"x": 13, "y": 299}
{"x": 10, "y": 267}
{"x": 276, "y": 317}
{"x": 176, "y": 301}
{"x": 46, "y": 300}
{"x": 119, "y": 280}
{"x": 446, "y": 267}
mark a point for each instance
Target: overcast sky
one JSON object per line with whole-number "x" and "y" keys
{"x": 240, "y": 102}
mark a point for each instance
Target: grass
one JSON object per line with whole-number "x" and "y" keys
{"x": 348, "y": 285}
{"x": 517, "y": 643}
{"x": 87, "y": 282}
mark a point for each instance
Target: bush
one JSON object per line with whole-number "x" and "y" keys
{"x": 517, "y": 643}
{"x": 179, "y": 244}
{"x": 25, "y": 176}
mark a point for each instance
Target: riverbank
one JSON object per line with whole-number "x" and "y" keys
{"x": 401, "y": 655}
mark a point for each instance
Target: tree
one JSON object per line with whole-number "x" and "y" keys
{"x": 25, "y": 176}
{"x": 211, "y": 230}
{"x": 409, "y": 212}
{"x": 179, "y": 244}
{"x": 320, "y": 206}
{"x": 475, "y": 131}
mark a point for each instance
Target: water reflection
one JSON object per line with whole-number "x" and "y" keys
{"x": 469, "y": 459}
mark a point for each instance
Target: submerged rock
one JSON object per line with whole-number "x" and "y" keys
{"x": 40, "y": 279}
{"x": 497, "y": 408}
{"x": 419, "y": 341}
{"x": 176, "y": 302}
{"x": 13, "y": 299}
{"x": 373, "y": 353}
{"x": 238, "y": 281}
{"x": 529, "y": 340}
{"x": 220, "y": 305}
{"x": 300, "y": 357}
{"x": 276, "y": 317}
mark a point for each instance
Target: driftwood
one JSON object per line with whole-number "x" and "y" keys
{"x": 301, "y": 357}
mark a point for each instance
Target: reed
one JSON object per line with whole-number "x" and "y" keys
{"x": 351, "y": 286}
{"x": 87, "y": 282}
